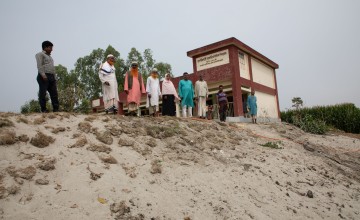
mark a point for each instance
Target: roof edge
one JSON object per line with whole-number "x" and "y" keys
{"x": 235, "y": 42}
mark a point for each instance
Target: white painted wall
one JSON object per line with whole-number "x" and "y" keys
{"x": 262, "y": 73}
{"x": 95, "y": 103}
{"x": 267, "y": 105}
{"x": 244, "y": 65}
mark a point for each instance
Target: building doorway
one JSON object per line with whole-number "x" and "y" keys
{"x": 244, "y": 97}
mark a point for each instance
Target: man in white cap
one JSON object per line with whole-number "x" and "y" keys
{"x": 153, "y": 93}
{"x": 109, "y": 84}
{"x": 134, "y": 87}
{"x": 201, "y": 94}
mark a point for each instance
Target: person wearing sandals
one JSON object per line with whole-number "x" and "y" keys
{"x": 186, "y": 94}
{"x": 201, "y": 94}
{"x": 109, "y": 85}
{"x": 134, "y": 88}
{"x": 169, "y": 97}
{"x": 153, "y": 93}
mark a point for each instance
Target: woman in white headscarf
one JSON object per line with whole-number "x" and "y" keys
{"x": 169, "y": 97}
{"x": 109, "y": 84}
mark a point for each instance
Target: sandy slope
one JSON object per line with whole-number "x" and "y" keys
{"x": 111, "y": 167}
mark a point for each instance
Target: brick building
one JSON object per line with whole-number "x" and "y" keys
{"x": 240, "y": 69}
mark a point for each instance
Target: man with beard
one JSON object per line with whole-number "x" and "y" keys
{"x": 134, "y": 87}
{"x": 109, "y": 84}
{"x": 153, "y": 93}
{"x": 201, "y": 94}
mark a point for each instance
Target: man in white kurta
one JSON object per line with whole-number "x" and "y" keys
{"x": 153, "y": 93}
{"x": 109, "y": 84}
{"x": 201, "y": 94}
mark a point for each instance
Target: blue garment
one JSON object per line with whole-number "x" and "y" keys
{"x": 221, "y": 96}
{"x": 186, "y": 92}
{"x": 251, "y": 103}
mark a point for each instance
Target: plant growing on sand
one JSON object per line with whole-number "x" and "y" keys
{"x": 273, "y": 145}
{"x": 310, "y": 124}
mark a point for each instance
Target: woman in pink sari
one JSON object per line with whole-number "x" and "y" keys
{"x": 169, "y": 97}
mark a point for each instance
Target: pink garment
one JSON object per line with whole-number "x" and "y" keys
{"x": 134, "y": 94}
{"x": 169, "y": 89}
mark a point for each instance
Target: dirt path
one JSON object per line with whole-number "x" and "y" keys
{"x": 67, "y": 166}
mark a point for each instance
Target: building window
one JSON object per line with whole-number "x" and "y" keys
{"x": 242, "y": 58}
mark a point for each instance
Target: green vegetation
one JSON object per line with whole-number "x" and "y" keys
{"x": 310, "y": 124}
{"x": 297, "y": 103}
{"x": 273, "y": 145}
{"x": 164, "y": 131}
{"x": 317, "y": 119}
{"x": 31, "y": 106}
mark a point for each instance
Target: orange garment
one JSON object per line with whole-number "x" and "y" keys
{"x": 134, "y": 72}
{"x": 135, "y": 92}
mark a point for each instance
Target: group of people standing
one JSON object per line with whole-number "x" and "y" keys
{"x": 134, "y": 88}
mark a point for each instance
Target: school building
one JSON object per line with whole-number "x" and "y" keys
{"x": 240, "y": 69}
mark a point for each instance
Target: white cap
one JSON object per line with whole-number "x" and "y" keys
{"x": 154, "y": 70}
{"x": 110, "y": 55}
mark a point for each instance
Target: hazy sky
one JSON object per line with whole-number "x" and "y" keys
{"x": 315, "y": 42}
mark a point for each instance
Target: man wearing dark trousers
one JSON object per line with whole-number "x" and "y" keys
{"x": 46, "y": 77}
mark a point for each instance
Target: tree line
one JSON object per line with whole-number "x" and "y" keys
{"x": 77, "y": 87}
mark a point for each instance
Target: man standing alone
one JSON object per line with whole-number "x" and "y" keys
{"x": 46, "y": 77}
{"x": 201, "y": 94}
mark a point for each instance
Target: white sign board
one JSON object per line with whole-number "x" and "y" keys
{"x": 96, "y": 103}
{"x": 212, "y": 60}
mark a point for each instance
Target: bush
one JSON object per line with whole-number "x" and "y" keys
{"x": 345, "y": 117}
{"x": 84, "y": 107}
{"x": 30, "y": 107}
{"x": 33, "y": 106}
{"x": 309, "y": 124}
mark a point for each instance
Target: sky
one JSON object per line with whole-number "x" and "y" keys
{"x": 315, "y": 42}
